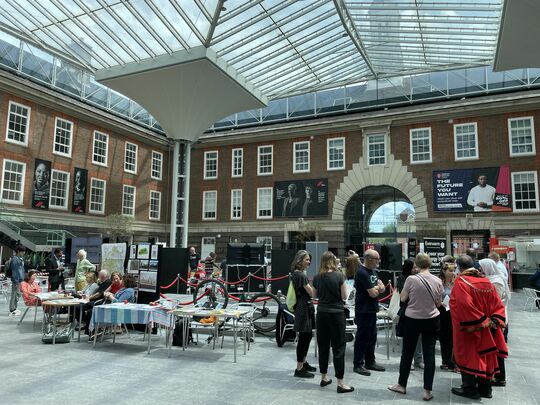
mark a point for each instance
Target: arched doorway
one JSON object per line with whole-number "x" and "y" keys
{"x": 378, "y": 214}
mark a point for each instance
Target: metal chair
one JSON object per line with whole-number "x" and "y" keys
{"x": 5, "y": 289}
{"x": 532, "y": 297}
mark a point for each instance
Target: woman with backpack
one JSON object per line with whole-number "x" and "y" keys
{"x": 304, "y": 313}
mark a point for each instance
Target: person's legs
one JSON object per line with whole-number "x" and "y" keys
{"x": 302, "y": 347}
{"x": 410, "y": 339}
{"x": 361, "y": 339}
{"x": 500, "y": 378}
{"x": 429, "y": 330}
{"x": 337, "y": 340}
{"x": 324, "y": 330}
{"x": 369, "y": 356}
{"x": 15, "y": 294}
{"x": 418, "y": 359}
{"x": 484, "y": 386}
{"x": 445, "y": 338}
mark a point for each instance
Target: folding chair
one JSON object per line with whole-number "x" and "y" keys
{"x": 532, "y": 297}
{"x": 5, "y": 289}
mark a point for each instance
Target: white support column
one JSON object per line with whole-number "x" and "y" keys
{"x": 187, "y": 172}
{"x": 174, "y": 192}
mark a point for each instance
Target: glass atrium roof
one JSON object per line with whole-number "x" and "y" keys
{"x": 283, "y": 47}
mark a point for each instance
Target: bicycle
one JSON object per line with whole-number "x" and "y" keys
{"x": 265, "y": 304}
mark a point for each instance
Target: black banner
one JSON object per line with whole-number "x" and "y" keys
{"x": 436, "y": 249}
{"x": 411, "y": 248}
{"x": 80, "y": 179}
{"x": 41, "y": 186}
{"x": 301, "y": 198}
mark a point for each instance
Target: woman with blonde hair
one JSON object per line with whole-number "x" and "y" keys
{"x": 304, "y": 313}
{"x": 447, "y": 276}
{"x": 83, "y": 267}
{"x": 329, "y": 287}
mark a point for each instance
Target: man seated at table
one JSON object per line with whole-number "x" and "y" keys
{"x": 125, "y": 294}
{"x": 103, "y": 284}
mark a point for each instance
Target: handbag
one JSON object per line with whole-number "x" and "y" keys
{"x": 400, "y": 326}
{"x": 291, "y": 297}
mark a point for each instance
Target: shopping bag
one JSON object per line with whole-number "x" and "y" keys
{"x": 291, "y": 297}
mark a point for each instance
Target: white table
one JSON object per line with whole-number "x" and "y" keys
{"x": 187, "y": 313}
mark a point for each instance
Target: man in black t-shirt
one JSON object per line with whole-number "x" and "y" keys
{"x": 368, "y": 287}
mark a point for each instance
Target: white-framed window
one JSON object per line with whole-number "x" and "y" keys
{"x": 97, "y": 196}
{"x": 59, "y": 189}
{"x": 130, "y": 158}
{"x": 237, "y": 160}
{"x": 466, "y": 141}
{"x": 335, "y": 154}
{"x": 101, "y": 148}
{"x": 56, "y": 238}
{"x": 157, "y": 165}
{"x": 63, "y": 137}
{"x": 264, "y": 160}
{"x": 301, "y": 157}
{"x": 525, "y": 191}
{"x": 155, "y": 205}
{"x": 211, "y": 165}
{"x": 209, "y": 205}
{"x": 267, "y": 243}
{"x": 264, "y": 202}
{"x": 420, "y": 139}
{"x": 18, "y": 124}
{"x": 521, "y": 136}
{"x": 236, "y": 204}
{"x": 128, "y": 200}
{"x": 376, "y": 145}
{"x": 13, "y": 173}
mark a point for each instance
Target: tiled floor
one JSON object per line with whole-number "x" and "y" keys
{"x": 123, "y": 373}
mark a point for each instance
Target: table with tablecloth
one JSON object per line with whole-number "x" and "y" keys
{"x": 120, "y": 313}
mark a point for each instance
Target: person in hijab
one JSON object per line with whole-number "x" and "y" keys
{"x": 498, "y": 279}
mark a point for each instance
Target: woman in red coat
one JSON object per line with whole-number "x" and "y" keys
{"x": 478, "y": 319}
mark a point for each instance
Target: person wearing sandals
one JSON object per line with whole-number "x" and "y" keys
{"x": 329, "y": 286}
{"x": 423, "y": 292}
{"x": 304, "y": 313}
{"x": 447, "y": 276}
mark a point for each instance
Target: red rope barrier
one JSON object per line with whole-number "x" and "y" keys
{"x": 187, "y": 282}
{"x": 262, "y": 299}
{"x": 170, "y": 285}
{"x": 269, "y": 279}
{"x": 185, "y": 303}
{"x": 236, "y": 282}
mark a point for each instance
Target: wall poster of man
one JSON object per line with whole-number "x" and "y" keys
{"x": 483, "y": 189}
{"x": 80, "y": 178}
{"x": 41, "y": 185}
{"x": 301, "y": 198}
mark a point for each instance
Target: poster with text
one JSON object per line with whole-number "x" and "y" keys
{"x": 301, "y": 198}
{"x": 436, "y": 249}
{"x": 479, "y": 190}
{"x": 41, "y": 186}
{"x": 80, "y": 179}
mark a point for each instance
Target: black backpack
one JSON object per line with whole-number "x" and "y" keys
{"x": 7, "y": 267}
{"x": 178, "y": 334}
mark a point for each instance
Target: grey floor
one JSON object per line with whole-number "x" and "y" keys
{"x": 123, "y": 373}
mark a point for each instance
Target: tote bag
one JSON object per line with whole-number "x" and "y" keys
{"x": 291, "y": 297}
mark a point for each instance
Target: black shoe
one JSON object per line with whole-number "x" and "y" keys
{"x": 303, "y": 373}
{"x": 362, "y": 371}
{"x": 466, "y": 392}
{"x": 309, "y": 367}
{"x": 496, "y": 383}
{"x": 485, "y": 394}
{"x": 375, "y": 367}
{"x": 325, "y": 383}
{"x": 341, "y": 390}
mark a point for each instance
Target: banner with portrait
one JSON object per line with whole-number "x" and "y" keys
{"x": 485, "y": 189}
{"x": 301, "y": 198}
{"x": 80, "y": 179}
{"x": 41, "y": 186}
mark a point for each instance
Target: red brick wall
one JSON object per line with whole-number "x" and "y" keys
{"x": 40, "y": 146}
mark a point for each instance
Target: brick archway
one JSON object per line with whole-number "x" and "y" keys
{"x": 394, "y": 174}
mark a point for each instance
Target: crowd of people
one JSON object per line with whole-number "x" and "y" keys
{"x": 463, "y": 307}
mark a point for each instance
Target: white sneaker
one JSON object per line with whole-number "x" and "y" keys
{"x": 14, "y": 314}
{"x": 17, "y": 312}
